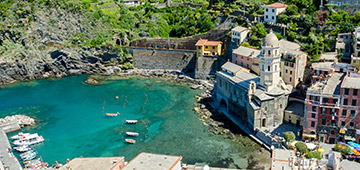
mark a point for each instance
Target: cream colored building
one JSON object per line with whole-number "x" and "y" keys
{"x": 294, "y": 113}
{"x": 293, "y": 67}
{"x": 238, "y": 34}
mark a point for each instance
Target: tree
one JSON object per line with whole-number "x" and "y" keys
{"x": 343, "y": 149}
{"x": 313, "y": 154}
{"x": 289, "y": 136}
{"x": 292, "y": 10}
{"x": 301, "y": 147}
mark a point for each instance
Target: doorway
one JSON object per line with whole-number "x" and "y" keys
{"x": 264, "y": 123}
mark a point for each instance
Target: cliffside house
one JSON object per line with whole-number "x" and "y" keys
{"x": 355, "y": 57}
{"x": 272, "y": 10}
{"x": 132, "y": 2}
{"x": 238, "y": 34}
{"x": 257, "y": 101}
{"x": 343, "y": 45}
{"x": 208, "y": 48}
{"x": 292, "y": 66}
{"x": 329, "y": 57}
{"x": 294, "y": 113}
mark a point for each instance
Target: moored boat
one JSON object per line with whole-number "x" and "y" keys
{"x": 132, "y": 134}
{"x": 29, "y": 156}
{"x": 132, "y": 141}
{"x": 29, "y": 140}
{"x": 112, "y": 114}
{"x": 20, "y": 135}
{"x": 22, "y": 148}
{"x": 131, "y": 121}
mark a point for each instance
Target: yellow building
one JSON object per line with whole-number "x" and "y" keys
{"x": 208, "y": 48}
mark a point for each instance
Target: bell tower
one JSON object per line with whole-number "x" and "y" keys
{"x": 270, "y": 62}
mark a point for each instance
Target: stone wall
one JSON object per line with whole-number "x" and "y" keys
{"x": 205, "y": 66}
{"x": 187, "y": 43}
{"x": 164, "y": 59}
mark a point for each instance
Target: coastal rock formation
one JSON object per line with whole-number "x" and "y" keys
{"x": 22, "y": 120}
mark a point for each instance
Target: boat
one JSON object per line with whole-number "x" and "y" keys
{"x": 29, "y": 156}
{"x": 34, "y": 164}
{"x": 22, "y": 148}
{"x": 132, "y": 141}
{"x": 29, "y": 140}
{"x": 20, "y": 135}
{"x": 112, "y": 114}
{"x": 131, "y": 121}
{"x": 26, "y": 153}
{"x": 132, "y": 134}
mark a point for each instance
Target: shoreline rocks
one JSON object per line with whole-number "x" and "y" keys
{"x": 22, "y": 120}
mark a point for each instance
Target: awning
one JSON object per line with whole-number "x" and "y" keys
{"x": 309, "y": 136}
{"x": 350, "y": 138}
{"x": 342, "y": 131}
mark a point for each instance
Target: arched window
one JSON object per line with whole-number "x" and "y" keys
{"x": 268, "y": 68}
{"x": 269, "y": 52}
{"x": 275, "y": 52}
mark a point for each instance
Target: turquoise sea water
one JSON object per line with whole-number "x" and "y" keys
{"x": 71, "y": 118}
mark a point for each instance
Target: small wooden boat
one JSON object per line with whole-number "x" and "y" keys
{"x": 132, "y": 141}
{"x": 112, "y": 114}
{"x": 132, "y": 134}
{"x": 131, "y": 121}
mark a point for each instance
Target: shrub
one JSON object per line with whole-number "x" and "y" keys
{"x": 301, "y": 147}
{"x": 289, "y": 136}
{"x": 313, "y": 154}
{"x": 128, "y": 65}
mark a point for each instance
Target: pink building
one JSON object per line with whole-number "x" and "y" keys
{"x": 332, "y": 109}
{"x": 349, "y": 117}
{"x": 247, "y": 57}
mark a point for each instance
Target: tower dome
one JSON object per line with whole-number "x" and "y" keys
{"x": 271, "y": 40}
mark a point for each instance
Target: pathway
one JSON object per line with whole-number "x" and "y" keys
{"x": 8, "y": 158}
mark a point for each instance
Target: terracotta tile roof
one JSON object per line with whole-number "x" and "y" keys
{"x": 276, "y": 5}
{"x": 202, "y": 42}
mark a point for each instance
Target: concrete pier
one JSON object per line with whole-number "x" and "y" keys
{"x": 7, "y": 158}
{"x": 11, "y": 126}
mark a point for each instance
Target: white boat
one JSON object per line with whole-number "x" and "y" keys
{"x": 22, "y": 148}
{"x": 112, "y": 114}
{"x": 132, "y": 134}
{"x": 20, "y": 135}
{"x": 131, "y": 121}
{"x": 29, "y": 140}
{"x": 29, "y": 156}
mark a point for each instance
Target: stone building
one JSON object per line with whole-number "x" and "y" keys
{"x": 257, "y": 101}
{"x": 293, "y": 61}
{"x": 344, "y": 2}
{"x": 343, "y": 45}
{"x": 272, "y": 10}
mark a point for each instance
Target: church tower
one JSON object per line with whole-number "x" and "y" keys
{"x": 270, "y": 62}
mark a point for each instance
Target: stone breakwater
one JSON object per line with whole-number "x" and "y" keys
{"x": 22, "y": 120}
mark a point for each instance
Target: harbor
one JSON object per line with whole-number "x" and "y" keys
{"x": 76, "y": 119}
{"x": 7, "y": 158}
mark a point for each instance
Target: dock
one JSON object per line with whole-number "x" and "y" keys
{"x": 8, "y": 159}
{"x": 9, "y": 127}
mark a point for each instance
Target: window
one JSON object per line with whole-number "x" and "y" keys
{"x": 286, "y": 70}
{"x": 314, "y": 109}
{"x": 312, "y": 124}
{"x": 273, "y": 10}
{"x": 352, "y": 113}
{"x": 269, "y": 52}
{"x": 323, "y": 121}
{"x": 353, "y": 103}
{"x": 213, "y": 47}
{"x": 345, "y": 101}
{"x": 313, "y": 115}
{"x": 268, "y": 68}
{"x": 272, "y": 17}
{"x": 266, "y": 9}
{"x": 335, "y": 101}
{"x": 280, "y": 106}
{"x": 346, "y": 91}
{"x": 351, "y": 125}
{"x": 290, "y": 79}
{"x": 344, "y": 112}
{"x": 355, "y": 92}
{"x": 325, "y": 100}
{"x": 343, "y": 124}
{"x": 266, "y": 16}
{"x": 290, "y": 72}
{"x": 332, "y": 132}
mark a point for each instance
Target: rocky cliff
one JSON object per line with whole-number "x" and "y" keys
{"x": 43, "y": 49}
